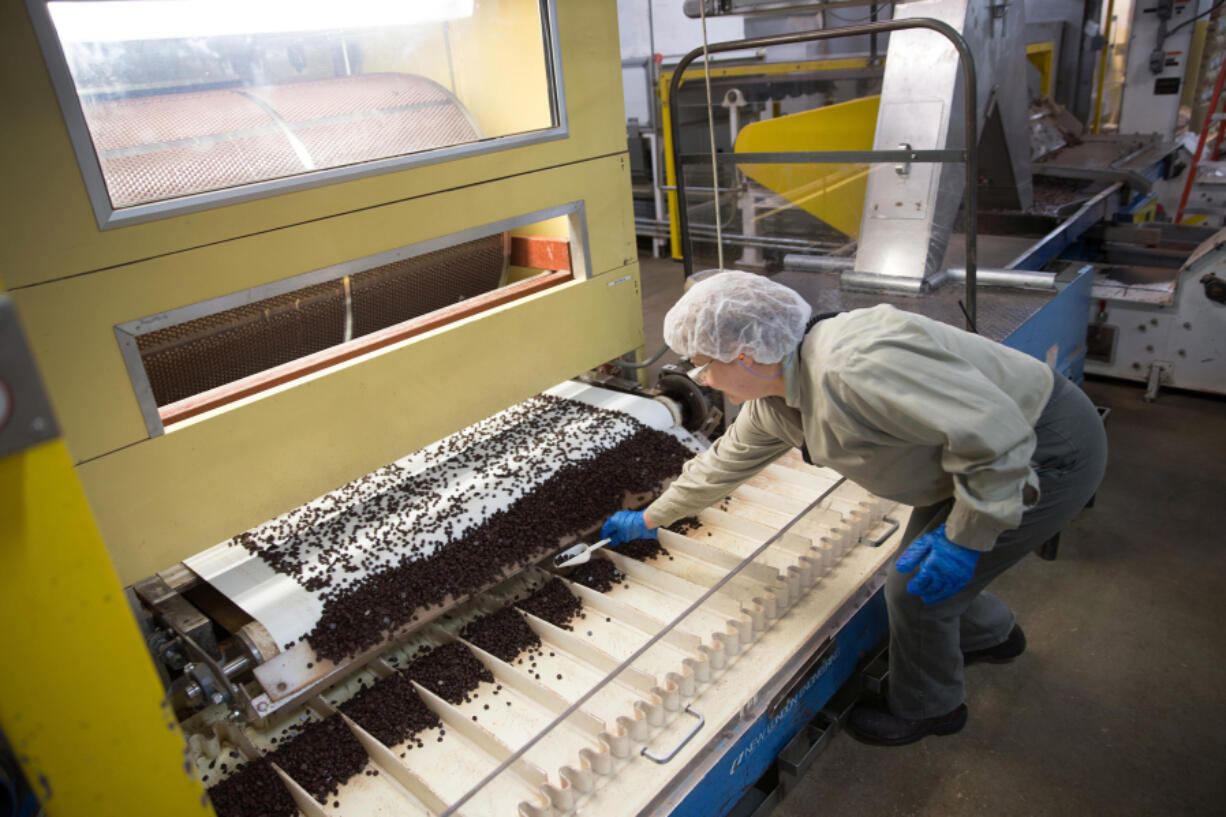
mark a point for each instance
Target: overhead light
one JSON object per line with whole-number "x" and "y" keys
{"x": 139, "y": 20}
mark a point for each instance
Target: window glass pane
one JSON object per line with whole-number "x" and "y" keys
{"x": 188, "y": 96}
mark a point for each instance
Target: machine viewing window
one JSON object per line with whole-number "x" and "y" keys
{"x": 189, "y": 103}
{"x": 198, "y": 358}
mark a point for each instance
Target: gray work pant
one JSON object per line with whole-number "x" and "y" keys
{"x": 927, "y": 640}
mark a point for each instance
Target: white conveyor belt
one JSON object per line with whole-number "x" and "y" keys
{"x": 288, "y": 610}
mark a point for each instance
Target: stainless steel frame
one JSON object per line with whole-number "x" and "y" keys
{"x": 968, "y": 155}
{"x": 109, "y": 217}
{"x": 127, "y": 333}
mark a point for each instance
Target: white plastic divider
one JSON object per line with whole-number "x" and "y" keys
{"x": 511, "y": 677}
{"x": 386, "y": 761}
{"x": 769, "y": 577}
{"x": 740, "y": 617}
{"x": 754, "y": 529}
{"x": 529, "y": 775}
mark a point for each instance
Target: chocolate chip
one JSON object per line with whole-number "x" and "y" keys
{"x": 252, "y": 790}
{"x": 505, "y": 634}
{"x": 377, "y": 582}
{"x": 391, "y": 710}
{"x": 642, "y": 549}
{"x": 598, "y": 574}
{"x": 554, "y": 603}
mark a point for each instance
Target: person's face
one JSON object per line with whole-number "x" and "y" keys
{"x": 740, "y": 379}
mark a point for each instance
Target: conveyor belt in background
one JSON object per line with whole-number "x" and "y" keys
{"x": 1000, "y": 311}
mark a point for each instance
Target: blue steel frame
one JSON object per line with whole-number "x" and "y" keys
{"x": 750, "y": 757}
{"x": 1056, "y": 333}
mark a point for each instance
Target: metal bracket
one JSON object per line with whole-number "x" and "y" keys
{"x": 1159, "y": 370}
{"x": 689, "y": 735}
{"x": 998, "y": 12}
{"x": 25, "y": 411}
{"x": 903, "y": 169}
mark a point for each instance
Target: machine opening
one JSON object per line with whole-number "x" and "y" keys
{"x": 1100, "y": 342}
{"x": 194, "y": 97}
{"x": 201, "y": 357}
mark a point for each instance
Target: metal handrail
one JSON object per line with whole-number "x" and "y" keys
{"x": 969, "y": 155}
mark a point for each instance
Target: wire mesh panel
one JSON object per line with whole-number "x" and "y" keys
{"x": 158, "y": 147}
{"x": 192, "y": 357}
{"x": 195, "y": 356}
{"x": 396, "y": 292}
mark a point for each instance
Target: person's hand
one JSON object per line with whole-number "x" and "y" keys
{"x": 625, "y": 526}
{"x": 944, "y": 567}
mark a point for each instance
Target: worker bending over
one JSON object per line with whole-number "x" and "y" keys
{"x": 995, "y": 451}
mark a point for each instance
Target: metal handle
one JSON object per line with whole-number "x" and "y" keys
{"x": 903, "y": 169}
{"x": 879, "y": 541}
{"x": 665, "y": 758}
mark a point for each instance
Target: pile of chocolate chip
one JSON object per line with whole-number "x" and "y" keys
{"x": 554, "y": 603}
{"x": 599, "y": 574}
{"x": 686, "y": 524}
{"x": 391, "y": 711}
{"x": 254, "y": 789}
{"x": 321, "y": 757}
{"x": 642, "y": 549}
{"x": 504, "y": 634}
{"x": 578, "y": 497}
{"x": 450, "y": 672}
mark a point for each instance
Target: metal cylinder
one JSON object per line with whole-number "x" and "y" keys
{"x": 817, "y": 263}
{"x": 1022, "y": 279}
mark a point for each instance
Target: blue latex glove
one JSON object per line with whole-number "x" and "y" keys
{"x": 625, "y": 526}
{"x": 944, "y": 567}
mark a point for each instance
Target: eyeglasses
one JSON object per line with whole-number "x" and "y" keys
{"x": 697, "y": 372}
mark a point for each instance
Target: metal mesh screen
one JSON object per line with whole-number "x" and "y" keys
{"x": 170, "y": 145}
{"x": 192, "y": 357}
{"x": 202, "y": 354}
{"x": 390, "y": 294}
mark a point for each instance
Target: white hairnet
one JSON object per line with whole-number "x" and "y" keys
{"x": 734, "y": 313}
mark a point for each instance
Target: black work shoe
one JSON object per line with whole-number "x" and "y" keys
{"x": 877, "y": 727}
{"x": 1007, "y": 650}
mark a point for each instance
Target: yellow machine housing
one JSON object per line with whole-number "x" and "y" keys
{"x": 157, "y": 499}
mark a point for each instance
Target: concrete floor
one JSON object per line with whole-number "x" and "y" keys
{"x": 1118, "y": 706}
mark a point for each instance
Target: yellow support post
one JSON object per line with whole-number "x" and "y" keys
{"x": 80, "y": 700}
{"x": 1102, "y": 68}
{"x": 1041, "y": 56}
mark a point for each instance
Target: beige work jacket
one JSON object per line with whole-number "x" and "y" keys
{"x": 910, "y": 408}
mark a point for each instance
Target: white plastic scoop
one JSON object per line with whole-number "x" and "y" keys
{"x": 578, "y": 554}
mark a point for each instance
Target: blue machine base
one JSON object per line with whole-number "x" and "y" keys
{"x": 750, "y": 757}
